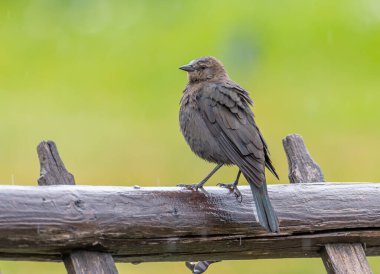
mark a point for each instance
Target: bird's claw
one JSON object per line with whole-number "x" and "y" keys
{"x": 189, "y": 187}
{"x": 193, "y": 187}
{"x": 199, "y": 267}
{"x": 233, "y": 189}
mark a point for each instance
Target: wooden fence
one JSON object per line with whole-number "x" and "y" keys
{"x": 89, "y": 227}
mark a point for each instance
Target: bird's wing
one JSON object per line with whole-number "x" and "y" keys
{"x": 226, "y": 112}
{"x": 244, "y": 94}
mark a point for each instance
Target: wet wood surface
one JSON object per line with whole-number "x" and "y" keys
{"x": 171, "y": 224}
{"x": 337, "y": 258}
{"x": 54, "y": 172}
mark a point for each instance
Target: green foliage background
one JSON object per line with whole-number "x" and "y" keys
{"x": 101, "y": 78}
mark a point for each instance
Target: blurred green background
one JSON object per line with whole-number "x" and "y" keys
{"x": 101, "y": 79}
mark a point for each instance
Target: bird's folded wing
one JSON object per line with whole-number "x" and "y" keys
{"x": 226, "y": 112}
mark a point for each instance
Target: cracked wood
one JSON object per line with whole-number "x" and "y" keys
{"x": 170, "y": 224}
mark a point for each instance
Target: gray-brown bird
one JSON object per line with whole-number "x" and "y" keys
{"x": 219, "y": 126}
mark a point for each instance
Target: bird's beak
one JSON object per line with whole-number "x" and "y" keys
{"x": 187, "y": 68}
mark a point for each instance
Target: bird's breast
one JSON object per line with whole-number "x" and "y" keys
{"x": 197, "y": 134}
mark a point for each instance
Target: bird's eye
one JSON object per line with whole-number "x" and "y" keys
{"x": 202, "y": 67}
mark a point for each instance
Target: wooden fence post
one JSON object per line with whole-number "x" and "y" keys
{"x": 53, "y": 172}
{"x": 345, "y": 258}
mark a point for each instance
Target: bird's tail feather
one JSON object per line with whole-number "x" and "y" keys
{"x": 265, "y": 212}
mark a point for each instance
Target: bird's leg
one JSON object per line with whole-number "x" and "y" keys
{"x": 201, "y": 183}
{"x": 233, "y": 187}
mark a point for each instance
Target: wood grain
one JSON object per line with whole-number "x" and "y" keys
{"x": 52, "y": 169}
{"x": 337, "y": 258}
{"x": 345, "y": 259}
{"x": 171, "y": 224}
{"x": 302, "y": 168}
{"x": 54, "y": 172}
{"x": 85, "y": 262}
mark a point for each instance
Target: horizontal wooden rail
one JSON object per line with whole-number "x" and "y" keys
{"x": 170, "y": 224}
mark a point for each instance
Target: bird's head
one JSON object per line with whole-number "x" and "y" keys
{"x": 205, "y": 69}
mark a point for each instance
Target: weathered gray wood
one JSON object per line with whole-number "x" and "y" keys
{"x": 302, "y": 168}
{"x": 52, "y": 169}
{"x": 89, "y": 262}
{"x": 345, "y": 259}
{"x": 337, "y": 258}
{"x": 54, "y": 172}
{"x": 171, "y": 224}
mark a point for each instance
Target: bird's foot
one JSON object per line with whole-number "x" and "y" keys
{"x": 193, "y": 187}
{"x": 233, "y": 189}
{"x": 199, "y": 267}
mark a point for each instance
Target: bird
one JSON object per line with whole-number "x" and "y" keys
{"x": 218, "y": 124}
